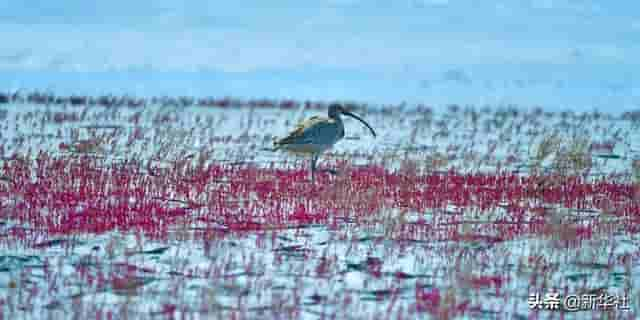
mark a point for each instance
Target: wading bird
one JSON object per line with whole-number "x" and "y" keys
{"x": 317, "y": 134}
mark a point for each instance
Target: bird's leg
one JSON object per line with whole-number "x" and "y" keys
{"x": 332, "y": 171}
{"x": 314, "y": 160}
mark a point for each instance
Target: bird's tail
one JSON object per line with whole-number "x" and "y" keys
{"x": 278, "y": 142}
{"x": 276, "y": 145}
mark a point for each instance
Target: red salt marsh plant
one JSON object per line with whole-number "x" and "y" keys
{"x": 69, "y": 193}
{"x": 440, "y": 305}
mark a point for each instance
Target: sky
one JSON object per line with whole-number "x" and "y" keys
{"x": 558, "y": 54}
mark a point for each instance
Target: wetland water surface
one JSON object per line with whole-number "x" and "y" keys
{"x": 160, "y": 209}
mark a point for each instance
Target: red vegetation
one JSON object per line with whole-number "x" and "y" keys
{"x": 68, "y": 194}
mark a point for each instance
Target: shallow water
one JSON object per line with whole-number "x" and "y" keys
{"x": 240, "y": 244}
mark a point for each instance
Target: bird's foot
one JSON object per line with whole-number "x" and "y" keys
{"x": 331, "y": 171}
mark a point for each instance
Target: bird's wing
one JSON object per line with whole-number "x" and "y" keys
{"x": 315, "y": 130}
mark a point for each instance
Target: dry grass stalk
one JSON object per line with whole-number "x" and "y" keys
{"x": 635, "y": 169}
{"x": 549, "y": 145}
{"x": 570, "y": 156}
{"x": 436, "y": 161}
{"x": 575, "y": 158}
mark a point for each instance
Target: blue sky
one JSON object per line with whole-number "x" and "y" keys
{"x": 558, "y": 54}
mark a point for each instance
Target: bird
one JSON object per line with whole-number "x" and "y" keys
{"x": 317, "y": 134}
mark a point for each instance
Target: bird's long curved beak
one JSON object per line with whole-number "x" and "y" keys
{"x": 347, "y": 113}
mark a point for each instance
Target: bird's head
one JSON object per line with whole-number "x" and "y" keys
{"x": 336, "y": 109}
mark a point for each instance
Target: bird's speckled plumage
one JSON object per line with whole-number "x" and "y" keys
{"x": 314, "y": 135}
